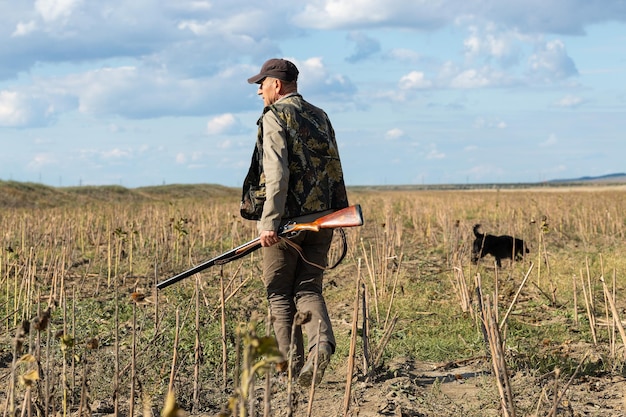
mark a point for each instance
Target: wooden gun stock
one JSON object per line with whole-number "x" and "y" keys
{"x": 348, "y": 217}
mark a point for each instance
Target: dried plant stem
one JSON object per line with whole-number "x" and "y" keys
{"x": 48, "y": 382}
{"x": 223, "y": 330}
{"x": 83, "y": 389}
{"x": 559, "y": 397}
{"x": 610, "y": 327}
{"x": 575, "y": 291}
{"x": 372, "y": 275}
{"x": 267, "y": 397}
{"x": 170, "y": 386}
{"x": 393, "y": 290}
{"x": 616, "y": 318}
{"x": 237, "y": 370}
{"x": 290, "y": 369}
{"x": 155, "y": 289}
{"x": 592, "y": 321}
{"x": 241, "y": 285}
{"x": 462, "y": 293}
{"x": 133, "y": 363}
{"x": 353, "y": 338}
{"x": 109, "y": 255}
{"x": 232, "y": 280}
{"x": 506, "y": 316}
{"x": 309, "y": 409}
{"x": 555, "y": 402}
{"x": 116, "y": 376}
{"x": 481, "y": 312}
{"x": 614, "y": 324}
{"x": 197, "y": 347}
{"x": 541, "y": 395}
{"x": 498, "y": 361}
{"x": 73, "y": 335}
{"x": 365, "y": 332}
{"x": 589, "y": 287}
{"x": 495, "y": 293}
{"x": 10, "y": 407}
{"x": 380, "y": 349}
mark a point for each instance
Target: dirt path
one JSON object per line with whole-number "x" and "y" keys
{"x": 409, "y": 389}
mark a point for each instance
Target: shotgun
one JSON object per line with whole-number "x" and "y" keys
{"x": 347, "y": 217}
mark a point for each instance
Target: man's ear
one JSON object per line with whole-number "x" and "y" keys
{"x": 278, "y": 84}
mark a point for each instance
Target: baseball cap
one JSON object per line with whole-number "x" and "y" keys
{"x": 276, "y": 68}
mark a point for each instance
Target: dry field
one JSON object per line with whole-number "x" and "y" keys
{"x": 421, "y": 330}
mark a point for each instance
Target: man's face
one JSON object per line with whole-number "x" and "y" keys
{"x": 268, "y": 89}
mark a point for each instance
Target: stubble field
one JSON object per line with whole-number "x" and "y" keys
{"x": 421, "y": 330}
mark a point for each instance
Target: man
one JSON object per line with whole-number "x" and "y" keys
{"x": 296, "y": 170}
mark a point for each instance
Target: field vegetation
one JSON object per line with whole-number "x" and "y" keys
{"x": 421, "y": 330}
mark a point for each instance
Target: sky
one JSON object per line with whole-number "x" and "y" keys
{"x": 146, "y": 92}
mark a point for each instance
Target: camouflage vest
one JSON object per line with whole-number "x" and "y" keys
{"x": 315, "y": 174}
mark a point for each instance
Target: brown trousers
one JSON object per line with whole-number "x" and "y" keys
{"x": 293, "y": 285}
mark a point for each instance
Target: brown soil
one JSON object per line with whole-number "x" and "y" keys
{"x": 410, "y": 389}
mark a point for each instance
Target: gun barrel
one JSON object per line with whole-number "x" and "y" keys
{"x": 184, "y": 274}
{"x": 231, "y": 255}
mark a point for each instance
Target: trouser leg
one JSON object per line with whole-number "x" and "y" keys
{"x": 308, "y": 287}
{"x": 279, "y": 267}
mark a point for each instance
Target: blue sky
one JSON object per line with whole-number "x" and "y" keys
{"x": 419, "y": 92}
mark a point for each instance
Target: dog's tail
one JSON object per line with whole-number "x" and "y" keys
{"x": 476, "y": 232}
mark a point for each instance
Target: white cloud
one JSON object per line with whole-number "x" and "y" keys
{"x": 404, "y": 55}
{"x": 23, "y": 29}
{"x": 394, "y": 134}
{"x": 471, "y": 78}
{"x": 335, "y": 14}
{"x": 223, "y": 124}
{"x": 550, "y": 62}
{"x": 225, "y": 144}
{"x": 115, "y": 128}
{"x": 42, "y": 141}
{"x": 485, "y": 173}
{"x": 24, "y": 108}
{"x": 317, "y": 79}
{"x": 482, "y": 123}
{"x": 490, "y": 43}
{"x": 40, "y": 160}
{"x": 365, "y": 46}
{"x": 116, "y": 153}
{"x": 12, "y": 111}
{"x": 433, "y": 153}
{"x": 51, "y": 10}
{"x": 144, "y": 92}
{"x": 452, "y": 75}
{"x": 33, "y": 105}
{"x": 569, "y": 101}
{"x": 551, "y": 141}
{"x": 414, "y": 80}
{"x": 197, "y": 156}
{"x": 531, "y": 16}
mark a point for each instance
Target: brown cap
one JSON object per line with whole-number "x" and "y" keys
{"x": 276, "y": 68}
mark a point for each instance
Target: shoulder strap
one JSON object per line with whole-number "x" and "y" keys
{"x": 344, "y": 250}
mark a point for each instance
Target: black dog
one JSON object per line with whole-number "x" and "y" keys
{"x": 500, "y": 247}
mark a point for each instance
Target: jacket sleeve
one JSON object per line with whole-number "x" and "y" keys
{"x": 276, "y": 170}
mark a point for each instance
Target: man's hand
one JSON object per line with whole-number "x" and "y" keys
{"x": 269, "y": 238}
